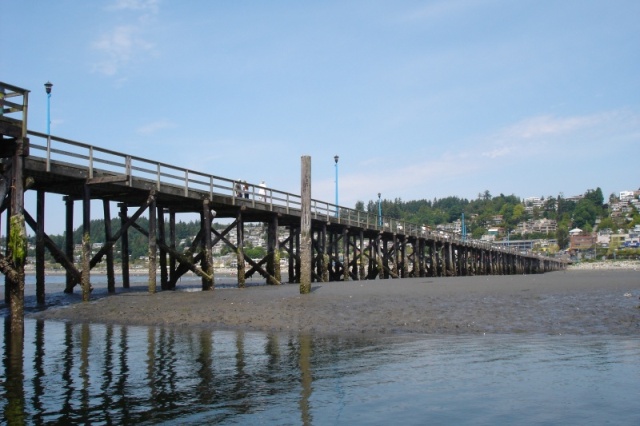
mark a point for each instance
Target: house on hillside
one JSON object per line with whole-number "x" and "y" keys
{"x": 581, "y": 243}
{"x": 575, "y": 231}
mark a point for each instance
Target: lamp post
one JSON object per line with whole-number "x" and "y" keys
{"x": 336, "y": 158}
{"x": 47, "y": 87}
{"x": 379, "y": 210}
{"x": 463, "y": 229}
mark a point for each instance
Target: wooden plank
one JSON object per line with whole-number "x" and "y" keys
{"x": 107, "y": 179}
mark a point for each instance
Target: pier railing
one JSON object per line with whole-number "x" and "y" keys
{"x": 93, "y": 160}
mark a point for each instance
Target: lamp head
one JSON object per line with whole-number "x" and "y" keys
{"x": 47, "y": 86}
{"x": 336, "y": 158}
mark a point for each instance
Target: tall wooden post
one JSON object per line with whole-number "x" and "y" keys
{"x": 292, "y": 254}
{"x": 394, "y": 254}
{"x": 305, "y": 226}
{"x": 17, "y": 238}
{"x": 240, "y": 250}
{"x": 124, "y": 244}
{"x": 172, "y": 259}
{"x": 421, "y": 257}
{"x": 207, "y": 258}
{"x": 345, "y": 254}
{"x": 153, "y": 247}
{"x": 324, "y": 258}
{"x": 68, "y": 242}
{"x": 86, "y": 243}
{"x": 433, "y": 260}
{"x": 361, "y": 270}
{"x": 164, "y": 278}
{"x": 40, "y": 248}
{"x": 111, "y": 281}
{"x": 439, "y": 261}
{"x": 380, "y": 255}
{"x": 274, "y": 249}
{"x": 372, "y": 256}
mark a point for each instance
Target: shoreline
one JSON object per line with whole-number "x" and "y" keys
{"x": 606, "y": 264}
{"x": 599, "y": 301}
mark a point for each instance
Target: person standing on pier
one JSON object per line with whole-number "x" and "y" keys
{"x": 263, "y": 191}
{"x": 238, "y": 189}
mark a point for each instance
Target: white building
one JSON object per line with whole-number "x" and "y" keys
{"x": 626, "y": 195}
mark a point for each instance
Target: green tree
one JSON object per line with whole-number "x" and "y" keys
{"x": 519, "y": 213}
{"x": 478, "y": 232}
{"x": 585, "y": 213}
{"x": 564, "y": 206}
{"x": 608, "y": 223}
{"x": 256, "y": 252}
{"x": 595, "y": 196}
{"x": 562, "y": 236}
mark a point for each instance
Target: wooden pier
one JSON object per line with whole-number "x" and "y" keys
{"x": 323, "y": 242}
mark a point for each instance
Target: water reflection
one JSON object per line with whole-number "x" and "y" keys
{"x": 86, "y": 373}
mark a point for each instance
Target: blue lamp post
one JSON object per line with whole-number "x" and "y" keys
{"x": 47, "y": 87}
{"x": 337, "y": 208}
{"x": 379, "y": 210}
{"x": 463, "y": 229}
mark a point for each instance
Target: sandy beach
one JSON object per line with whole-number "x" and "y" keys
{"x": 578, "y": 301}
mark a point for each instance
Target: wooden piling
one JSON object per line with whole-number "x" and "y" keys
{"x": 305, "y": 226}
{"x": 86, "y": 243}
{"x": 40, "y": 289}
{"x": 345, "y": 254}
{"x": 172, "y": 245}
{"x": 164, "y": 276}
{"x": 207, "y": 255}
{"x": 111, "y": 281}
{"x": 153, "y": 247}
{"x": 124, "y": 245}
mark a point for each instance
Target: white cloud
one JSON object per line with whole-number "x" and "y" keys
{"x": 120, "y": 47}
{"x": 150, "y": 6}
{"x": 155, "y": 127}
{"x": 436, "y": 11}
{"x": 124, "y": 43}
{"x": 512, "y": 146}
{"x": 533, "y": 134}
{"x": 546, "y": 125}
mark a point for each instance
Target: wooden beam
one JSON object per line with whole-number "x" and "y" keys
{"x": 107, "y": 179}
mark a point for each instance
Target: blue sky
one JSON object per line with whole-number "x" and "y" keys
{"x": 420, "y": 99}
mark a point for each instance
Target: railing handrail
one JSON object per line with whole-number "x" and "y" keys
{"x": 164, "y": 173}
{"x": 14, "y": 107}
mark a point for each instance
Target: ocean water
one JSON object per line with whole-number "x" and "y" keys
{"x": 63, "y": 373}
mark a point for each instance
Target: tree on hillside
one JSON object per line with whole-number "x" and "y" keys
{"x": 565, "y": 206}
{"x": 585, "y": 213}
{"x": 562, "y": 237}
{"x": 549, "y": 208}
{"x": 608, "y": 223}
{"x": 595, "y": 196}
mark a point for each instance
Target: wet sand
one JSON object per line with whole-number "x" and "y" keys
{"x": 566, "y": 302}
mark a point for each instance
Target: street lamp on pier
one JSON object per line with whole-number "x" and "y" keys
{"x": 47, "y": 87}
{"x": 336, "y": 158}
{"x": 379, "y": 210}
